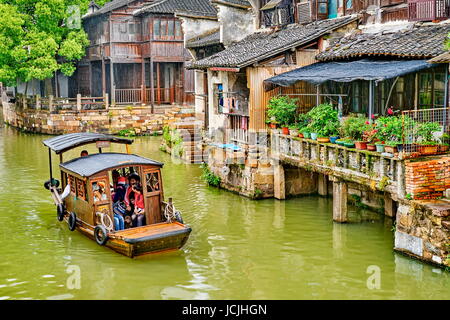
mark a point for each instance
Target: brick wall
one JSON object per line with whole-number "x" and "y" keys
{"x": 426, "y": 180}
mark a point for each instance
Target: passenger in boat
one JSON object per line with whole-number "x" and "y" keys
{"x": 132, "y": 179}
{"x": 84, "y": 153}
{"x": 120, "y": 190}
{"x": 99, "y": 191}
{"x": 118, "y": 204}
{"x": 138, "y": 200}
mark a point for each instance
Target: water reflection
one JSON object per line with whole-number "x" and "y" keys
{"x": 239, "y": 249}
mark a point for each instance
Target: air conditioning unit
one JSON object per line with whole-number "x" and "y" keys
{"x": 304, "y": 12}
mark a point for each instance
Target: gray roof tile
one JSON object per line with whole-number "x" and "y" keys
{"x": 262, "y": 45}
{"x": 187, "y": 7}
{"x": 422, "y": 41}
{"x": 207, "y": 39}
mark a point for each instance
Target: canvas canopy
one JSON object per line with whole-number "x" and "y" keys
{"x": 347, "y": 71}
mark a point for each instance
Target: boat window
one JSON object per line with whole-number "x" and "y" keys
{"x": 99, "y": 191}
{"x": 152, "y": 181}
{"x": 73, "y": 186}
{"x": 81, "y": 189}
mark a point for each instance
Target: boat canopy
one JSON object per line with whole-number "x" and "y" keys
{"x": 90, "y": 165}
{"x": 66, "y": 142}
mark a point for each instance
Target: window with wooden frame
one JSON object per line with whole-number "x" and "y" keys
{"x": 167, "y": 29}
{"x": 431, "y": 89}
{"x": 81, "y": 189}
{"x": 153, "y": 181}
{"x": 99, "y": 191}
{"x": 73, "y": 185}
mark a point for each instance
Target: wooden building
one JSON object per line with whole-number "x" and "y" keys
{"x": 136, "y": 53}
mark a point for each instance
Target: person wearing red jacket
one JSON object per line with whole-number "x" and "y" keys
{"x": 137, "y": 199}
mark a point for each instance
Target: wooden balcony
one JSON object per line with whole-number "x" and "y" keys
{"x": 428, "y": 10}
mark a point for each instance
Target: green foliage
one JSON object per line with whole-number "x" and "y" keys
{"x": 409, "y": 196}
{"x": 389, "y": 128}
{"x": 425, "y": 131}
{"x": 354, "y": 127}
{"x": 209, "y": 177}
{"x": 127, "y": 133}
{"x": 324, "y": 120}
{"x": 282, "y": 110}
{"x": 37, "y": 39}
{"x": 173, "y": 140}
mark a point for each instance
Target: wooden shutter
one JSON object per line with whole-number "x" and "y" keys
{"x": 304, "y": 12}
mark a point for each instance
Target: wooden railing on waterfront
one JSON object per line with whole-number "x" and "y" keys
{"x": 428, "y": 10}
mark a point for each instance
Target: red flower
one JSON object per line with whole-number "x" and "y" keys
{"x": 373, "y": 116}
{"x": 367, "y": 122}
{"x": 390, "y": 112}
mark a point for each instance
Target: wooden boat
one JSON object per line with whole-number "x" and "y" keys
{"x": 83, "y": 197}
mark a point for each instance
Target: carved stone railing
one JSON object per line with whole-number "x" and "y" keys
{"x": 364, "y": 167}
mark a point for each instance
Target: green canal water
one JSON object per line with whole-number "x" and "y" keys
{"x": 239, "y": 249}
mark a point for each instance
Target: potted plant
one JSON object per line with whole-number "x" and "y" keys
{"x": 323, "y": 139}
{"x": 272, "y": 122}
{"x": 324, "y": 121}
{"x": 354, "y": 127}
{"x": 340, "y": 142}
{"x": 282, "y": 109}
{"x": 306, "y": 132}
{"x": 293, "y": 130}
{"x": 428, "y": 143}
{"x": 379, "y": 147}
{"x": 349, "y": 143}
{"x": 390, "y": 147}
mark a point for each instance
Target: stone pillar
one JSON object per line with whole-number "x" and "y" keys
{"x": 340, "y": 191}
{"x": 279, "y": 182}
{"x": 106, "y": 101}
{"x": 401, "y": 180}
{"x": 389, "y": 206}
{"x": 323, "y": 185}
{"x": 50, "y": 103}
{"x": 38, "y": 102}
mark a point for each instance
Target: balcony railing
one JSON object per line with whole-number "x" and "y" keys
{"x": 428, "y": 10}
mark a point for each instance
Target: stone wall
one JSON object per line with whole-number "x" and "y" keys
{"x": 140, "y": 119}
{"x": 423, "y": 231}
{"x": 427, "y": 179}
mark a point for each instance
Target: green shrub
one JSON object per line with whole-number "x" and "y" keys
{"x": 282, "y": 110}
{"x": 324, "y": 120}
{"x": 209, "y": 177}
{"x": 425, "y": 131}
{"x": 389, "y": 128}
{"x": 354, "y": 127}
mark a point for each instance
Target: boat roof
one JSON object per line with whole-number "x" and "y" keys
{"x": 66, "y": 142}
{"x": 90, "y": 165}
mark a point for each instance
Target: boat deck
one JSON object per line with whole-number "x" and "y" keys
{"x": 150, "y": 230}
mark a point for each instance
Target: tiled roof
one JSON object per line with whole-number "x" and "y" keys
{"x": 109, "y": 6}
{"x": 443, "y": 58}
{"x": 234, "y": 3}
{"x": 197, "y": 8}
{"x": 207, "y": 39}
{"x": 421, "y": 41}
{"x": 262, "y": 45}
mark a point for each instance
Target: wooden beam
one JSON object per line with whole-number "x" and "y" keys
{"x": 113, "y": 93}
{"x": 103, "y": 76}
{"x": 144, "y": 98}
{"x": 152, "y": 86}
{"x": 158, "y": 87}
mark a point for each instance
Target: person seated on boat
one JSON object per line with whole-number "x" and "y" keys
{"x": 138, "y": 201}
{"x": 120, "y": 190}
{"x": 132, "y": 179}
{"x": 119, "y": 214}
{"x": 84, "y": 153}
{"x": 99, "y": 191}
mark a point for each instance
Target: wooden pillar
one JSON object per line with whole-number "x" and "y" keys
{"x": 340, "y": 191}
{"x": 152, "y": 86}
{"x": 38, "y": 102}
{"x": 90, "y": 79}
{"x": 279, "y": 182}
{"x": 158, "y": 87}
{"x": 183, "y": 87}
{"x": 390, "y": 207}
{"x": 103, "y": 77}
{"x": 113, "y": 93}
{"x": 106, "y": 101}
{"x": 50, "y": 103}
{"x": 143, "y": 98}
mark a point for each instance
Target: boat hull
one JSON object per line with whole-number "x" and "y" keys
{"x": 145, "y": 240}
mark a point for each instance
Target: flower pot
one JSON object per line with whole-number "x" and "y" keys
{"x": 301, "y": 135}
{"x": 293, "y": 132}
{"x": 306, "y": 135}
{"x": 340, "y": 143}
{"x": 323, "y": 140}
{"x": 314, "y": 135}
{"x": 390, "y": 149}
{"x": 428, "y": 149}
{"x": 272, "y": 125}
{"x": 349, "y": 144}
{"x": 380, "y": 147}
{"x": 371, "y": 147}
{"x": 361, "y": 145}
{"x": 333, "y": 139}
{"x": 285, "y": 130}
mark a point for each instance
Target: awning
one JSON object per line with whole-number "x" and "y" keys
{"x": 365, "y": 69}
